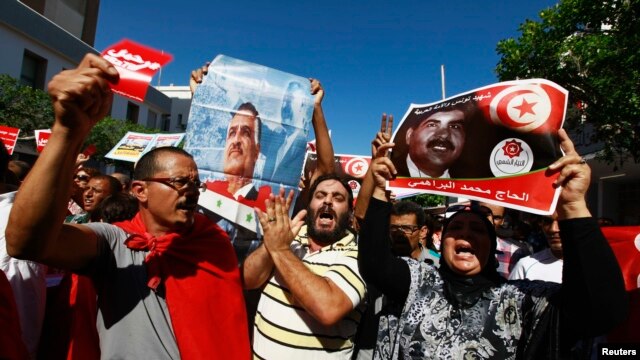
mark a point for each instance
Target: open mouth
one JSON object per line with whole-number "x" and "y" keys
{"x": 464, "y": 249}
{"x": 326, "y": 215}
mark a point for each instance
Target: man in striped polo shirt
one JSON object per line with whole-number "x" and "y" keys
{"x": 312, "y": 301}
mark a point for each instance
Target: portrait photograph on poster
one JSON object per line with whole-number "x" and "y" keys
{"x": 491, "y": 144}
{"x": 248, "y": 129}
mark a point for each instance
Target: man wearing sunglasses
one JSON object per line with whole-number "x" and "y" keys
{"x": 168, "y": 282}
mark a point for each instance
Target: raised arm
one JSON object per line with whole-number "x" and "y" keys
{"x": 324, "y": 146}
{"x": 81, "y": 97}
{"x": 366, "y": 190}
{"x": 377, "y": 264}
{"x": 593, "y": 294}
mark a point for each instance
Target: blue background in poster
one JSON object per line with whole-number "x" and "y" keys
{"x": 285, "y": 106}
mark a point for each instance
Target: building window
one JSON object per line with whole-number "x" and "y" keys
{"x": 77, "y": 5}
{"x": 133, "y": 111}
{"x": 34, "y": 69}
{"x": 152, "y": 118}
{"x": 166, "y": 122}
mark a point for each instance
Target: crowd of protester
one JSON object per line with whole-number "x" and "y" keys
{"x": 128, "y": 267}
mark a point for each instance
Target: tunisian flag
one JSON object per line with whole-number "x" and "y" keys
{"x": 625, "y": 242}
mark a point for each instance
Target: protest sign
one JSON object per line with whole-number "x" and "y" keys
{"x": 136, "y": 64}
{"x": 42, "y": 138}
{"x": 247, "y": 131}
{"x": 9, "y": 136}
{"x": 491, "y": 144}
{"x": 133, "y": 145}
{"x": 352, "y": 168}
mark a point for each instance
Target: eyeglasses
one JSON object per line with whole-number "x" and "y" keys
{"x": 473, "y": 207}
{"x": 407, "y": 229}
{"x": 81, "y": 177}
{"x": 180, "y": 184}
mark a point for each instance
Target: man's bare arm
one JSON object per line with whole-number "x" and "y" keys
{"x": 81, "y": 97}
{"x": 324, "y": 146}
{"x": 366, "y": 190}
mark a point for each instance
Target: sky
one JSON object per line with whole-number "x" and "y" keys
{"x": 372, "y": 57}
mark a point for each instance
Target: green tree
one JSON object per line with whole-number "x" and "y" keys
{"x": 30, "y": 109}
{"x": 591, "y": 48}
{"x": 428, "y": 200}
{"x": 24, "y": 107}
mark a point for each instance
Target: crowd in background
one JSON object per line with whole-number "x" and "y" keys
{"x": 343, "y": 278}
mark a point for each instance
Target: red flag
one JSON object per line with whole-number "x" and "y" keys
{"x": 537, "y": 106}
{"x": 625, "y": 242}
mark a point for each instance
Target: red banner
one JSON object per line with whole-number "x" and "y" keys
{"x": 625, "y": 242}
{"x": 136, "y": 64}
{"x": 9, "y": 136}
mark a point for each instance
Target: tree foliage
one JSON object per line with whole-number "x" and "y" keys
{"x": 30, "y": 109}
{"x": 592, "y": 48}
{"x": 428, "y": 200}
{"x": 24, "y": 107}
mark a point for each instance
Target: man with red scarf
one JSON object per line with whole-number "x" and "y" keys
{"x": 168, "y": 283}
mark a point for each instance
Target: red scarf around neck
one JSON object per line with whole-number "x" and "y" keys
{"x": 199, "y": 270}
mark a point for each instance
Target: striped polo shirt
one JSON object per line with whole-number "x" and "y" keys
{"x": 286, "y": 331}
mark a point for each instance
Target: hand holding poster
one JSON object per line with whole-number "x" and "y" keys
{"x": 247, "y": 131}
{"x": 491, "y": 144}
{"x": 136, "y": 64}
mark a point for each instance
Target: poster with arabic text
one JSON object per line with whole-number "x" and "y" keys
{"x": 490, "y": 144}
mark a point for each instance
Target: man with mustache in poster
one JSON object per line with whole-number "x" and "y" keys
{"x": 435, "y": 142}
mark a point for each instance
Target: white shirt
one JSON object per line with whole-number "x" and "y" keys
{"x": 539, "y": 266}
{"x": 27, "y": 279}
{"x": 243, "y": 191}
{"x": 415, "y": 172}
